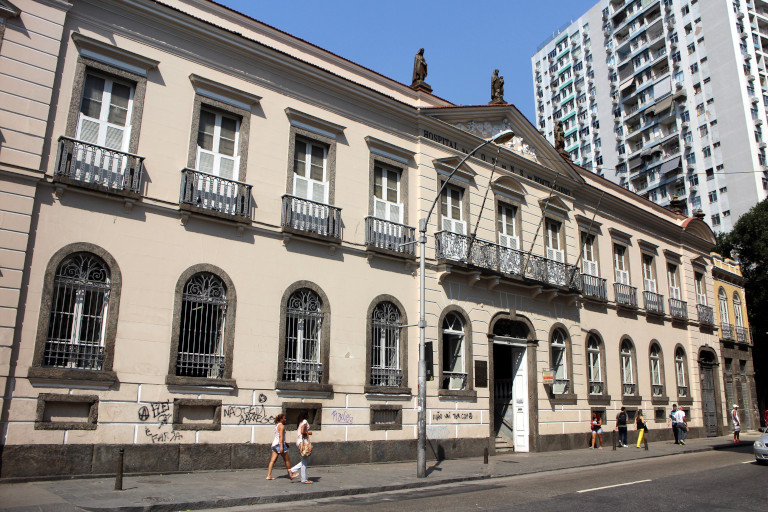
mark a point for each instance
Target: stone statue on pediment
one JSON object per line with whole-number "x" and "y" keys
{"x": 420, "y": 72}
{"x": 559, "y": 137}
{"x": 497, "y": 88}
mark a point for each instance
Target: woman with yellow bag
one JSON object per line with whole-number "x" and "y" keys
{"x": 304, "y": 445}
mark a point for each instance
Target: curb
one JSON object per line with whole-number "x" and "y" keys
{"x": 314, "y": 495}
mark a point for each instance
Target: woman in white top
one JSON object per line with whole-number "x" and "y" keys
{"x": 280, "y": 447}
{"x": 303, "y": 433}
{"x": 736, "y": 423}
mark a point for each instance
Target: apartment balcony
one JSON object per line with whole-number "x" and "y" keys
{"x": 625, "y": 295}
{"x": 305, "y": 217}
{"x": 727, "y": 332}
{"x": 678, "y": 309}
{"x": 742, "y": 334}
{"x": 209, "y": 194}
{"x": 653, "y": 302}
{"x": 499, "y": 260}
{"x": 97, "y": 167}
{"x": 594, "y": 287}
{"x": 390, "y": 237}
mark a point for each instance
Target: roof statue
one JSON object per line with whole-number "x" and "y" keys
{"x": 497, "y": 89}
{"x": 420, "y": 73}
{"x": 560, "y": 140}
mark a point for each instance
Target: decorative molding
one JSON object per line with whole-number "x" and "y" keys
{"x": 8, "y": 10}
{"x": 671, "y": 255}
{"x": 647, "y": 246}
{"x": 554, "y": 204}
{"x": 314, "y": 124}
{"x": 112, "y": 55}
{"x": 385, "y": 149}
{"x": 620, "y": 236}
{"x": 509, "y": 187}
{"x": 224, "y": 93}
{"x": 445, "y": 167}
{"x": 588, "y": 224}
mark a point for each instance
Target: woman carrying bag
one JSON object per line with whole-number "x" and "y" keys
{"x": 641, "y": 427}
{"x": 304, "y": 445}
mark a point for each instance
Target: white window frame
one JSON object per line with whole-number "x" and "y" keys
{"x": 701, "y": 293}
{"x": 508, "y": 239}
{"x": 559, "y": 356}
{"x": 722, "y": 299}
{"x": 306, "y": 177}
{"x": 594, "y": 364}
{"x": 649, "y": 273}
{"x": 680, "y": 369}
{"x": 620, "y": 264}
{"x": 589, "y": 263}
{"x": 215, "y": 150}
{"x": 738, "y": 317}
{"x": 655, "y": 359}
{"x": 103, "y": 119}
{"x": 385, "y": 172}
{"x": 627, "y": 367}
{"x": 452, "y": 204}
{"x": 674, "y": 286}
{"x": 454, "y": 338}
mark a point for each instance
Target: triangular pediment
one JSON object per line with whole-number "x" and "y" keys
{"x": 508, "y": 186}
{"x": 445, "y": 166}
{"x": 485, "y": 121}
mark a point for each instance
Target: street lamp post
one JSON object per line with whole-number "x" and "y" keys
{"x": 421, "y": 447}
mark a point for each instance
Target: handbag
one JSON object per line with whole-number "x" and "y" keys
{"x": 305, "y": 448}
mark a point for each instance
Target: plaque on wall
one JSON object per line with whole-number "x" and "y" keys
{"x": 481, "y": 374}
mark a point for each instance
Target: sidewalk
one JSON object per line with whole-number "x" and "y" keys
{"x": 232, "y": 488}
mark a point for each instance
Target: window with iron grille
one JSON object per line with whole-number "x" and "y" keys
{"x": 657, "y": 385}
{"x": 627, "y": 368}
{"x": 202, "y": 324}
{"x": 385, "y": 346}
{"x": 303, "y": 328}
{"x": 680, "y": 364}
{"x": 559, "y": 363}
{"x": 454, "y": 353}
{"x": 596, "y": 384}
{"x": 76, "y": 325}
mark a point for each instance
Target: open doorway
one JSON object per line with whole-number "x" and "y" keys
{"x": 510, "y": 386}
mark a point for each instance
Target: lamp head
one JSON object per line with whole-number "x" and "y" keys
{"x": 502, "y": 137}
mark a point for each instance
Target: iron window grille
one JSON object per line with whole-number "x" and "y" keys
{"x": 559, "y": 364}
{"x": 201, "y": 334}
{"x": 627, "y": 373}
{"x": 454, "y": 352}
{"x": 682, "y": 387}
{"x": 304, "y": 319}
{"x": 81, "y": 289}
{"x": 595, "y": 377}
{"x": 385, "y": 346}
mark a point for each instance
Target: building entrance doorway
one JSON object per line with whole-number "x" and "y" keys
{"x": 510, "y": 385}
{"x": 708, "y": 403}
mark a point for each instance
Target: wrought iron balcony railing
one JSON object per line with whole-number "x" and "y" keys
{"x": 503, "y": 260}
{"x": 742, "y": 334}
{"x": 386, "y": 377}
{"x": 706, "y": 314}
{"x": 454, "y": 380}
{"x": 90, "y": 164}
{"x": 678, "y": 309}
{"x": 594, "y": 287}
{"x": 302, "y": 371}
{"x": 383, "y": 234}
{"x": 726, "y": 332}
{"x": 653, "y": 302}
{"x": 625, "y": 295}
{"x": 311, "y": 217}
{"x": 215, "y": 194}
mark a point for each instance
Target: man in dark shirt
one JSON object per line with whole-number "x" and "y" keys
{"x": 621, "y": 426}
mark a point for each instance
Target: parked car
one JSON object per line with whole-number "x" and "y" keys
{"x": 761, "y": 448}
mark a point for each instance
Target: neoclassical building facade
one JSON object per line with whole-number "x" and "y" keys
{"x": 207, "y": 222}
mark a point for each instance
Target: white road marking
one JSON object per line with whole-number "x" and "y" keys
{"x": 748, "y": 462}
{"x": 610, "y": 486}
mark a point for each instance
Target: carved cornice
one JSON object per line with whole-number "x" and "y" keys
{"x": 112, "y": 55}
{"x": 224, "y": 93}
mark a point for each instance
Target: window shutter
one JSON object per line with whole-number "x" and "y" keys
{"x": 396, "y": 213}
{"x": 674, "y": 292}
{"x": 650, "y": 285}
{"x": 589, "y": 267}
{"x": 227, "y": 167}
{"x": 205, "y": 161}
{"x": 319, "y": 192}
{"x": 300, "y": 186}
{"x": 622, "y": 276}
{"x": 89, "y": 131}
{"x": 510, "y": 242}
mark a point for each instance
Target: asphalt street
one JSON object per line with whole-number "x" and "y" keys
{"x": 714, "y": 480}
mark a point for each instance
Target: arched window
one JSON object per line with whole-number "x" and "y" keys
{"x": 559, "y": 363}
{"x": 202, "y": 324}
{"x": 723, "y": 301}
{"x": 738, "y": 319}
{"x": 78, "y": 309}
{"x": 454, "y": 353}
{"x": 385, "y": 346}
{"x": 596, "y": 384}
{"x": 627, "y": 369}
{"x": 680, "y": 365}
{"x": 657, "y": 382}
{"x": 303, "y": 330}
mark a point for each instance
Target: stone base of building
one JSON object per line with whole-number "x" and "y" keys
{"x": 557, "y": 442}
{"x": 35, "y": 461}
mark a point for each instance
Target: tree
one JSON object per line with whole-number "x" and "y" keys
{"x": 749, "y": 239}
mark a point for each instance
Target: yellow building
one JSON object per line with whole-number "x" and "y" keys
{"x": 735, "y": 340}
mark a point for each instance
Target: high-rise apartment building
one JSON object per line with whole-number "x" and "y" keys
{"x": 665, "y": 97}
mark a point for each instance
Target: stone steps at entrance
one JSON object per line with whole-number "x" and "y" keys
{"x": 504, "y": 445}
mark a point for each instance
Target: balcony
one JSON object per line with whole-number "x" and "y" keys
{"x": 727, "y": 332}
{"x": 653, "y": 302}
{"x": 742, "y": 334}
{"x": 502, "y": 260}
{"x": 390, "y": 237}
{"x": 678, "y": 309}
{"x": 302, "y": 216}
{"x": 97, "y": 167}
{"x": 625, "y": 295}
{"x": 212, "y": 195}
{"x": 706, "y": 314}
{"x": 594, "y": 287}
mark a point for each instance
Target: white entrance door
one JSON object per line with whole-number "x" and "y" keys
{"x": 520, "y": 398}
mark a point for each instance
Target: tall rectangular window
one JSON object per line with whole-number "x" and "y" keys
{"x": 554, "y": 250}
{"x": 701, "y": 292}
{"x": 588, "y": 255}
{"x": 673, "y": 278}
{"x": 217, "y": 142}
{"x": 105, "y": 113}
{"x": 386, "y": 192}
{"x": 506, "y": 226}
{"x": 649, "y": 273}
{"x": 310, "y": 173}
{"x": 620, "y": 264}
{"x": 451, "y": 211}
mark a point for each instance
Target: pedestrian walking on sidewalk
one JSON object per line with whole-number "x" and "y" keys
{"x": 672, "y": 421}
{"x": 681, "y": 425}
{"x": 597, "y": 429}
{"x": 302, "y": 436}
{"x": 280, "y": 447}
{"x": 621, "y": 426}
{"x": 641, "y": 426}
{"x": 736, "y": 423}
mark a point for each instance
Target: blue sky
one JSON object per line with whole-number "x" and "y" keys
{"x": 464, "y": 41}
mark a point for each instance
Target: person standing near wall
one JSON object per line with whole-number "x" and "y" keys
{"x": 672, "y": 421}
{"x": 640, "y": 426}
{"x": 621, "y": 426}
{"x": 681, "y": 425}
{"x": 303, "y": 434}
{"x": 736, "y": 423}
